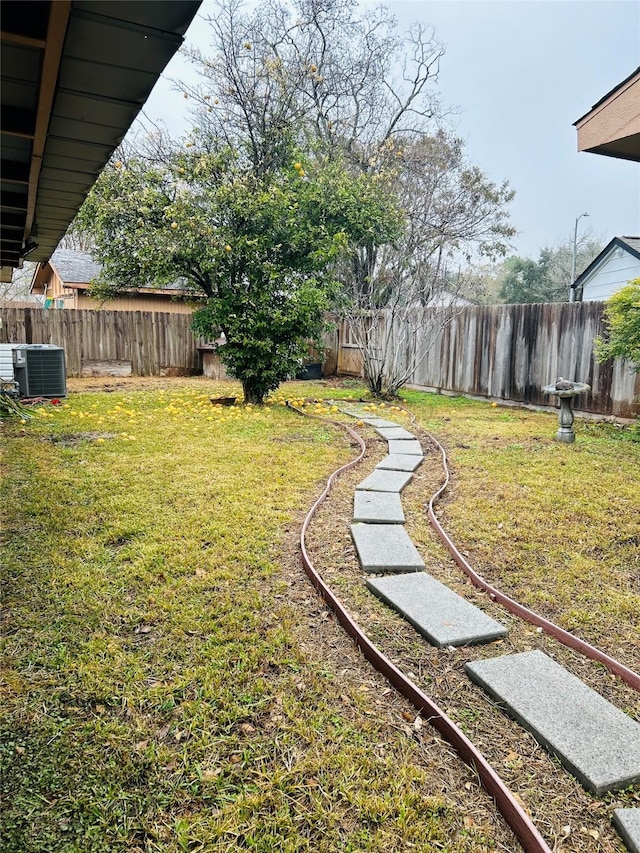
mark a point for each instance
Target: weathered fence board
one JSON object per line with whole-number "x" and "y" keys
{"x": 510, "y": 352}
{"x": 505, "y": 352}
{"x": 152, "y": 342}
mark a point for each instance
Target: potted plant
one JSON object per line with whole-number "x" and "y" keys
{"x": 311, "y": 366}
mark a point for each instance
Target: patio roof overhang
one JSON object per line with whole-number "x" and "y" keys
{"x": 612, "y": 126}
{"x": 75, "y": 74}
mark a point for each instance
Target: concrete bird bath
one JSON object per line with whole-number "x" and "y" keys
{"x": 566, "y": 391}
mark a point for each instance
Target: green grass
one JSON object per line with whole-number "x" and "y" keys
{"x": 555, "y": 525}
{"x": 157, "y": 695}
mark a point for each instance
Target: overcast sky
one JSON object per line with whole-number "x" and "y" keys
{"x": 519, "y": 73}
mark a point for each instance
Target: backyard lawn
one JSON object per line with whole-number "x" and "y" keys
{"x": 556, "y": 526}
{"x": 173, "y": 682}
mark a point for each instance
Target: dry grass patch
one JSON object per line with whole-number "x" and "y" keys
{"x": 554, "y": 525}
{"x": 172, "y": 682}
{"x": 568, "y": 817}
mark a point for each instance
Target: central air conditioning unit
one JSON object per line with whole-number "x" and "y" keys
{"x": 39, "y": 370}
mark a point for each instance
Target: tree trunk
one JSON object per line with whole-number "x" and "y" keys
{"x": 252, "y": 393}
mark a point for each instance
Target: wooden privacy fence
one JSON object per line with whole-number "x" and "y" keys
{"x": 508, "y": 352}
{"x": 505, "y": 352}
{"x": 142, "y": 343}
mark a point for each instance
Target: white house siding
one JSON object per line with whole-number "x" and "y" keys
{"x": 614, "y": 272}
{"x": 6, "y": 362}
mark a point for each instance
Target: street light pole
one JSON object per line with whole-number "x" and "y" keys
{"x": 572, "y": 290}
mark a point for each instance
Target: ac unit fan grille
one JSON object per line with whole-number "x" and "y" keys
{"x": 46, "y": 375}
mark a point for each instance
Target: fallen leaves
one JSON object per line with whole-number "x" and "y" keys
{"x": 210, "y": 774}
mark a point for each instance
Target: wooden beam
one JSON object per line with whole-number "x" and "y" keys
{"x": 56, "y": 31}
{"x": 8, "y": 226}
{"x": 22, "y": 40}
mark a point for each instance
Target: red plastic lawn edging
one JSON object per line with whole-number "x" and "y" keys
{"x": 513, "y": 813}
{"x": 565, "y": 637}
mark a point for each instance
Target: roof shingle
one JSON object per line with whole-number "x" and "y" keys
{"x": 74, "y": 266}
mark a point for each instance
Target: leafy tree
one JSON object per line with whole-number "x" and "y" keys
{"x": 248, "y": 212}
{"x": 526, "y": 280}
{"x": 547, "y": 279}
{"x": 560, "y": 259}
{"x": 331, "y": 76}
{"x": 622, "y": 316}
{"x": 257, "y": 246}
{"x": 316, "y": 85}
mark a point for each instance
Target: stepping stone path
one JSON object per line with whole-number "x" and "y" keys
{"x": 435, "y": 611}
{"x": 394, "y": 432}
{"x": 594, "y": 740}
{"x": 405, "y": 446}
{"x": 399, "y": 462}
{"x": 627, "y": 822}
{"x": 378, "y": 508}
{"x": 371, "y": 420}
{"x": 385, "y": 481}
{"x": 379, "y": 423}
{"x": 444, "y": 617}
{"x": 386, "y": 548}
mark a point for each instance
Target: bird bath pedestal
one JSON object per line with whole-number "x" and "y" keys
{"x": 565, "y": 415}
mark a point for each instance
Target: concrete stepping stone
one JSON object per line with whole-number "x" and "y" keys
{"x": 349, "y": 410}
{"x": 373, "y": 422}
{"x": 399, "y": 462}
{"x": 385, "y": 548}
{"x": 367, "y": 418}
{"x": 405, "y": 446}
{"x": 438, "y": 613}
{"x": 380, "y": 423}
{"x": 378, "y": 508}
{"x": 627, "y": 822}
{"x": 596, "y": 742}
{"x": 394, "y": 432}
{"x": 381, "y": 480}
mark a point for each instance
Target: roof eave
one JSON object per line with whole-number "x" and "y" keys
{"x": 612, "y": 126}
{"x": 67, "y": 102}
{"x": 606, "y": 97}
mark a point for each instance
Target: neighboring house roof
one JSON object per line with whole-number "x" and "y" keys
{"x": 77, "y": 269}
{"x": 448, "y": 299}
{"x": 74, "y": 266}
{"x": 628, "y": 244}
{"x": 612, "y": 125}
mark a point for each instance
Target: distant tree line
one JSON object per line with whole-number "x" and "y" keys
{"x": 518, "y": 279}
